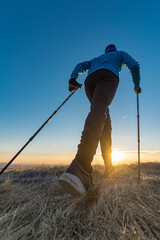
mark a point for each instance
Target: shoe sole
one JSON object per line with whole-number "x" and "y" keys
{"x": 72, "y": 184}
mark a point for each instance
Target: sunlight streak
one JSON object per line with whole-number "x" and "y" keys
{"x": 118, "y": 156}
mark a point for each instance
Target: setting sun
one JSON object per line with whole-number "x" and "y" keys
{"x": 117, "y": 156}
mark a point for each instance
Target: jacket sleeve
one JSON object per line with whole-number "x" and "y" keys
{"x": 81, "y": 68}
{"x": 133, "y": 66}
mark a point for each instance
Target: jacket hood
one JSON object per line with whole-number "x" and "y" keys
{"x": 110, "y": 48}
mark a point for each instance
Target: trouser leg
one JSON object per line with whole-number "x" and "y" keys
{"x": 106, "y": 143}
{"x": 102, "y": 97}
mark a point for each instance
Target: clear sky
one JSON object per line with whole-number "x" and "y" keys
{"x": 41, "y": 41}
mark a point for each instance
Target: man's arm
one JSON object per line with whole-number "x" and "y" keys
{"x": 130, "y": 63}
{"x": 80, "y": 68}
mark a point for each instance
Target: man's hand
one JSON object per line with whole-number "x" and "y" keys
{"x": 138, "y": 90}
{"x": 74, "y": 85}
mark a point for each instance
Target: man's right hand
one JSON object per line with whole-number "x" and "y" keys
{"x": 138, "y": 90}
{"x": 74, "y": 85}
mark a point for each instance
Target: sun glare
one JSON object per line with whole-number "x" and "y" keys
{"x": 117, "y": 156}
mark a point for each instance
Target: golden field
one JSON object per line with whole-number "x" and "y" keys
{"x": 34, "y": 206}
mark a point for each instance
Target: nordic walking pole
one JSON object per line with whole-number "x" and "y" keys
{"x": 138, "y": 138}
{"x": 37, "y": 131}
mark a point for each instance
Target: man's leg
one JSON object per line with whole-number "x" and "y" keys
{"x": 80, "y": 167}
{"x": 95, "y": 122}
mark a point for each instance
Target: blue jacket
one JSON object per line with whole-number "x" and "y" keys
{"x": 112, "y": 61}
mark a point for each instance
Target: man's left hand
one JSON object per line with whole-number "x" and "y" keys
{"x": 74, "y": 85}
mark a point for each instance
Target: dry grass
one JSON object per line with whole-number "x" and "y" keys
{"x": 34, "y": 206}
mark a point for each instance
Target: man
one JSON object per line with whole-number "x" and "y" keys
{"x": 100, "y": 86}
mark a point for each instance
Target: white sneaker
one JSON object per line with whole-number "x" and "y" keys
{"x": 76, "y": 180}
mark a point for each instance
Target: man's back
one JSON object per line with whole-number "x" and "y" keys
{"x": 111, "y": 61}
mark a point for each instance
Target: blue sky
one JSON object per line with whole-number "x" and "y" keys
{"x": 40, "y": 44}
